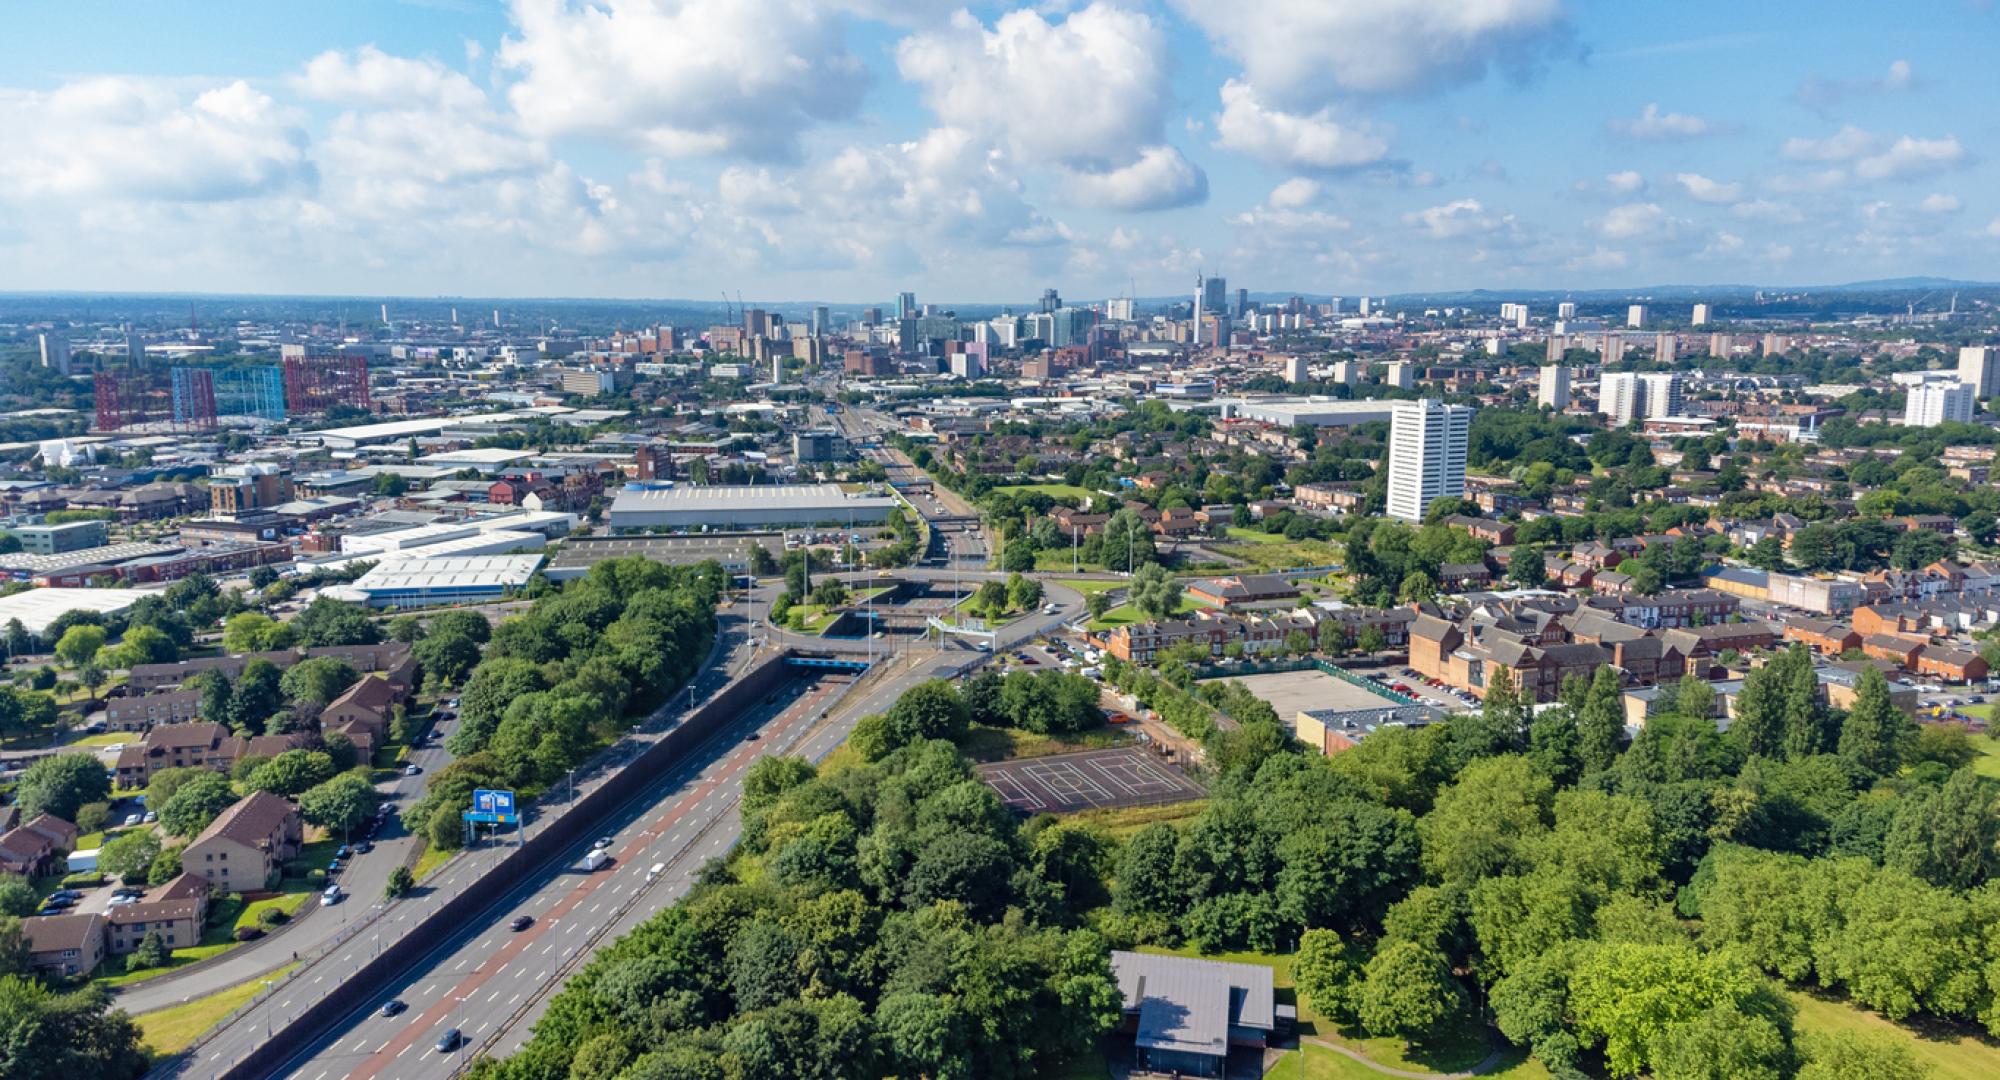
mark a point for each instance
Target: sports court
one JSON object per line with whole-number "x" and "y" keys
{"x": 1088, "y": 780}
{"x": 1292, "y": 692}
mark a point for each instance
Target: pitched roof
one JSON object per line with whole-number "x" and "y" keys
{"x": 1189, "y": 1004}
{"x": 251, "y": 821}
{"x": 54, "y": 933}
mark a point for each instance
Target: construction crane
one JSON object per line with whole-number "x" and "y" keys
{"x": 728, "y": 312}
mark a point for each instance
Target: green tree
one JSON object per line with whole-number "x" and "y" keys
{"x": 1632, "y": 996}
{"x": 1694, "y": 697}
{"x": 143, "y": 645}
{"x": 1948, "y": 836}
{"x": 446, "y": 658}
{"x": 1407, "y": 991}
{"x": 1759, "y": 726}
{"x": 151, "y": 953}
{"x": 1875, "y": 732}
{"x": 60, "y": 784}
{"x": 1024, "y": 593}
{"x": 327, "y": 621}
{"x": 317, "y": 681}
{"x": 408, "y": 629}
{"x": 1600, "y": 725}
{"x": 1487, "y": 822}
{"x": 1526, "y": 568}
{"x": 79, "y": 644}
{"x": 195, "y": 804}
{"x": 1372, "y": 640}
{"x": 1325, "y": 972}
{"x": 292, "y": 773}
{"x": 17, "y": 897}
{"x": 129, "y": 856}
{"x": 1155, "y": 592}
{"x": 990, "y": 599}
{"x": 339, "y": 805}
{"x": 1809, "y": 727}
{"x": 1845, "y": 1055}
{"x": 257, "y": 696}
{"x": 1767, "y": 554}
{"x": 1499, "y": 726}
{"x": 401, "y": 881}
{"x": 928, "y": 710}
{"x": 1097, "y": 603}
{"x": 165, "y": 868}
{"x": 251, "y": 631}
{"x": 66, "y": 1036}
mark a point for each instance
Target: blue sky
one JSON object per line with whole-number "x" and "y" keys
{"x": 796, "y": 149}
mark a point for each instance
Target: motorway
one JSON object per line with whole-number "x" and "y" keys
{"x": 492, "y": 984}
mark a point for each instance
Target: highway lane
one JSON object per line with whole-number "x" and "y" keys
{"x": 700, "y": 822}
{"x": 342, "y": 955}
{"x": 481, "y": 979}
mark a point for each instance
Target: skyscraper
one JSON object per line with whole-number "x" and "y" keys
{"x": 1051, "y": 300}
{"x": 1635, "y": 316}
{"x": 821, "y": 323}
{"x": 1566, "y": 310}
{"x": 1931, "y": 404}
{"x": 1979, "y": 368}
{"x": 1215, "y": 296}
{"x": 1700, "y": 317}
{"x": 55, "y": 352}
{"x": 1665, "y": 347}
{"x": 1242, "y": 304}
{"x": 1295, "y": 369}
{"x": 1558, "y": 345}
{"x": 906, "y": 305}
{"x": 1611, "y": 350}
{"x": 1427, "y": 445}
{"x": 1553, "y": 386}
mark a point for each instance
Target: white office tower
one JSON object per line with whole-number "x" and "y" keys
{"x": 1333, "y": 307}
{"x": 1662, "y": 393}
{"x": 496, "y": 318}
{"x": 1119, "y": 310}
{"x": 385, "y": 314}
{"x": 1621, "y": 397}
{"x": 55, "y": 352}
{"x": 1700, "y": 317}
{"x": 968, "y": 365}
{"x": 777, "y": 368}
{"x": 1558, "y": 345}
{"x": 1664, "y": 348}
{"x": 1635, "y": 316}
{"x": 1553, "y": 389}
{"x": 1520, "y": 316}
{"x": 1399, "y": 375}
{"x": 1493, "y": 346}
{"x": 1362, "y": 306}
{"x": 1979, "y": 368}
{"x": 1566, "y": 310}
{"x": 1506, "y": 312}
{"x": 1940, "y": 403}
{"x": 1347, "y": 371}
{"x": 1610, "y": 349}
{"x": 1427, "y": 441}
{"x": 1295, "y": 369}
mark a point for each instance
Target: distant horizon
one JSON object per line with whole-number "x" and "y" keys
{"x": 1499, "y": 294}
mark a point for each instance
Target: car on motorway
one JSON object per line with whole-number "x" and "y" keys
{"x": 450, "y": 1041}
{"x": 393, "y": 1006}
{"x": 521, "y": 922}
{"x": 602, "y": 843}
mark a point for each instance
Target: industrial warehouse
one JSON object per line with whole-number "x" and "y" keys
{"x": 746, "y": 507}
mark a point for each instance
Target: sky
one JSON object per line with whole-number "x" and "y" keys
{"x": 848, "y": 150}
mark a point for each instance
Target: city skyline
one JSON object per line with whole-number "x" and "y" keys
{"x": 843, "y": 152}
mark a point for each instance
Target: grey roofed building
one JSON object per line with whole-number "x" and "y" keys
{"x": 1185, "y": 1013}
{"x": 746, "y": 506}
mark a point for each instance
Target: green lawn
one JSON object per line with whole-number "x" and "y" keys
{"x": 1062, "y": 561}
{"x": 289, "y": 903}
{"x": 313, "y": 856}
{"x": 1270, "y": 552}
{"x": 1950, "y": 1054}
{"x": 1989, "y": 756}
{"x": 1087, "y": 1067}
{"x": 966, "y": 605}
{"x": 430, "y": 860}
{"x": 1126, "y": 613}
{"x": 109, "y": 738}
{"x": 170, "y": 1030}
{"x": 982, "y": 743}
{"x": 1090, "y": 586}
{"x": 1252, "y": 536}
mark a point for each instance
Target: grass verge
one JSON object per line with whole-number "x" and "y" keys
{"x": 430, "y": 860}
{"x": 1949, "y": 1053}
{"x": 982, "y": 743}
{"x": 169, "y": 1031}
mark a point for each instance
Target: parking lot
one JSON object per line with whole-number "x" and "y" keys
{"x": 1089, "y": 780}
{"x": 1391, "y": 672}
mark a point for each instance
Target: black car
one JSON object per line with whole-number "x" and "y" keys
{"x": 521, "y": 922}
{"x": 393, "y": 1006}
{"x": 450, "y": 1041}
{"x": 364, "y": 847}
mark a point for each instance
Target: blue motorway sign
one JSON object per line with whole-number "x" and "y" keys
{"x": 492, "y": 807}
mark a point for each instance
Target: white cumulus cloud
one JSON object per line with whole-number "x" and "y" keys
{"x": 1625, "y": 181}
{"x": 1909, "y": 156}
{"x": 1294, "y": 193}
{"x": 680, "y": 77}
{"x": 1161, "y": 179}
{"x": 1701, "y": 189}
{"x": 1654, "y": 125}
{"x": 1460, "y": 217}
{"x": 1846, "y": 144}
{"x": 1316, "y": 142}
{"x": 1938, "y": 202}
{"x": 1302, "y": 54}
{"x": 1631, "y": 221}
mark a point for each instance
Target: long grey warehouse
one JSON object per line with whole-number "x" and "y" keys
{"x": 743, "y": 507}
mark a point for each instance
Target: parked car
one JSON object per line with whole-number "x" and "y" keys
{"x": 365, "y": 846}
{"x": 412, "y": 769}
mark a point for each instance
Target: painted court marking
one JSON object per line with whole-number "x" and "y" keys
{"x": 1087, "y": 779}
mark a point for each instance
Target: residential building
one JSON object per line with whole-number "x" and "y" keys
{"x": 146, "y": 710}
{"x": 1427, "y": 448}
{"x": 55, "y": 352}
{"x": 1552, "y": 390}
{"x": 1635, "y": 316}
{"x": 1931, "y": 404}
{"x": 38, "y": 847}
{"x": 1402, "y": 376}
{"x": 1662, "y": 393}
{"x": 175, "y": 911}
{"x": 1700, "y": 316}
{"x": 205, "y": 745}
{"x": 240, "y": 489}
{"x": 65, "y": 946}
{"x": 243, "y": 849}
{"x": 1979, "y": 368}
{"x": 1621, "y": 397}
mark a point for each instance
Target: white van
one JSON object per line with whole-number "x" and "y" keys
{"x": 653, "y": 874}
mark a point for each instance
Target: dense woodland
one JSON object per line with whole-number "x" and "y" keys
{"x": 1618, "y": 910}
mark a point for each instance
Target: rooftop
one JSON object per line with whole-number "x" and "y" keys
{"x": 694, "y": 497}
